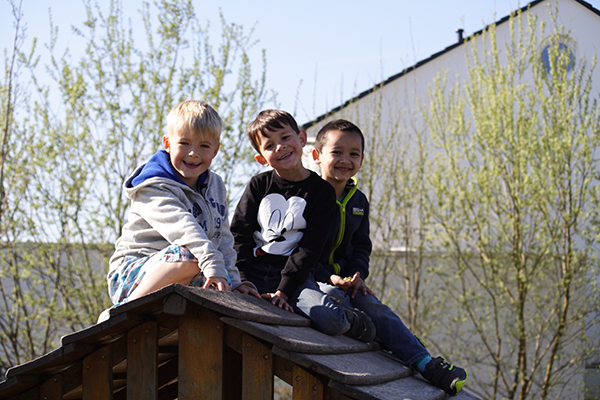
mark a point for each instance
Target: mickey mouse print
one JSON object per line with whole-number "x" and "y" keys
{"x": 281, "y": 224}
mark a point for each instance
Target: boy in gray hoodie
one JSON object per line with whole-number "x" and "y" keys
{"x": 177, "y": 229}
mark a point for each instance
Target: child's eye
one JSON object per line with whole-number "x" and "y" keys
{"x": 268, "y": 146}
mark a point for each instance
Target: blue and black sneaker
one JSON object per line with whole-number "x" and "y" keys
{"x": 447, "y": 377}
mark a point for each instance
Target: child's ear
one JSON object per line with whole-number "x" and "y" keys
{"x": 303, "y": 137}
{"x": 166, "y": 143}
{"x": 261, "y": 160}
{"x": 317, "y": 156}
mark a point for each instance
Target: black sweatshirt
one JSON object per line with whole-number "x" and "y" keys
{"x": 286, "y": 224}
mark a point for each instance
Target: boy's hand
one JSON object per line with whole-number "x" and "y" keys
{"x": 215, "y": 282}
{"x": 359, "y": 285}
{"x": 340, "y": 282}
{"x": 247, "y": 290}
{"x": 278, "y": 299}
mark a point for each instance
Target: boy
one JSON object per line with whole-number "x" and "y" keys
{"x": 339, "y": 150}
{"x": 281, "y": 225}
{"x": 177, "y": 230}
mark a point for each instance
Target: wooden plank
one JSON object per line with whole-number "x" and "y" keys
{"x": 54, "y": 362}
{"x": 241, "y": 306}
{"x": 97, "y": 375}
{"x": 302, "y": 339}
{"x": 232, "y": 376}
{"x": 257, "y": 370}
{"x": 306, "y": 385}
{"x": 283, "y": 368}
{"x": 200, "y": 356}
{"x": 142, "y": 362}
{"x": 412, "y": 387}
{"x": 369, "y": 368}
{"x": 72, "y": 380}
{"x": 52, "y": 389}
{"x": 233, "y": 337}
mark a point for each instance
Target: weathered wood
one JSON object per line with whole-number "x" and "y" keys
{"x": 233, "y": 337}
{"x": 232, "y": 373}
{"x": 54, "y": 362}
{"x": 72, "y": 379}
{"x": 306, "y": 385}
{"x": 105, "y": 332}
{"x": 200, "y": 356}
{"x": 174, "y": 305}
{"x": 283, "y": 368}
{"x": 241, "y": 306}
{"x": 97, "y": 375}
{"x": 257, "y": 380}
{"x": 302, "y": 339}
{"x": 52, "y": 389}
{"x": 169, "y": 392}
{"x": 367, "y": 368}
{"x": 408, "y": 388}
{"x": 142, "y": 361}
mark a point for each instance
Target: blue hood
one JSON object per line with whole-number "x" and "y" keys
{"x": 159, "y": 166}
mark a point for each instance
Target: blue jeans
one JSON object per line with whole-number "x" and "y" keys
{"x": 390, "y": 328}
{"x": 307, "y": 300}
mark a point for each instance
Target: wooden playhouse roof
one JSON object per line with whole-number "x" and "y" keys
{"x": 183, "y": 342}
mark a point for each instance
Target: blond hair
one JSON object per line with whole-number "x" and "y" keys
{"x": 194, "y": 116}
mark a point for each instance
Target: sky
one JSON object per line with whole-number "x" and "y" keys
{"x": 319, "y": 53}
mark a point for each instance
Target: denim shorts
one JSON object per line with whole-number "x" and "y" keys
{"x": 123, "y": 280}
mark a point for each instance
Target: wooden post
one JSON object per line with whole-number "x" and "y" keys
{"x": 200, "y": 356}
{"x": 306, "y": 385}
{"x": 52, "y": 389}
{"x": 97, "y": 375}
{"x": 142, "y": 362}
{"x": 257, "y": 370}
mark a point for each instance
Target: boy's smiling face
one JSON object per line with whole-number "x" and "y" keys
{"x": 341, "y": 157}
{"x": 191, "y": 154}
{"x": 282, "y": 150}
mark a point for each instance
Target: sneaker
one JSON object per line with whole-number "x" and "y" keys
{"x": 447, "y": 377}
{"x": 361, "y": 326}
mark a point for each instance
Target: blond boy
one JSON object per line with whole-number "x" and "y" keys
{"x": 177, "y": 229}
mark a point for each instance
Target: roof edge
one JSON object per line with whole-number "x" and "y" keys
{"x": 430, "y": 58}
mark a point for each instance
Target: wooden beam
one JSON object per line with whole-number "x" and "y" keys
{"x": 306, "y": 385}
{"x": 257, "y": 370}
{"x": 200, "y": 356}
{"x": 52, "y": 389}
{"x": 142, "y": 361}
{"x": 97, "y": 375}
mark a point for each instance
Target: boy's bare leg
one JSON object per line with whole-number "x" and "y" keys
{"x": 163, "y": 274}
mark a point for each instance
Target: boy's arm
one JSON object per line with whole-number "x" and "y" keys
{"x": 361, "y": 249}
{"x": 312, "y": 245}
{"x": 168, "y": 216}
{"x": 226, "y": 247}
{"x": 243, "y": 226}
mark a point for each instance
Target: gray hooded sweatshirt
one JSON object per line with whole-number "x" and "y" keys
{"x": 165, "y": 211}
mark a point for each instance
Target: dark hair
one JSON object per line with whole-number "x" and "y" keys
{"x": 337, "y": 125}
{"x": 269, "y": 120}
